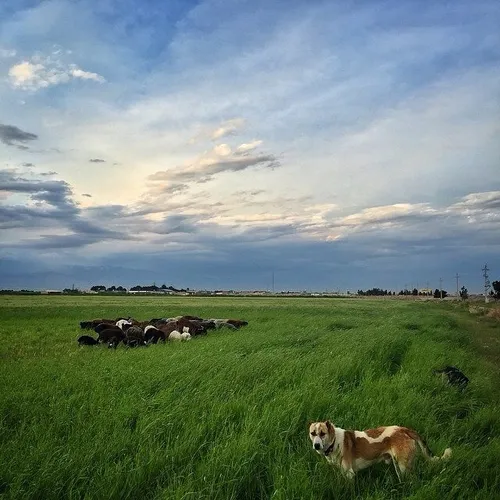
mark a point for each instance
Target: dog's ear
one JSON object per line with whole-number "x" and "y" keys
{"x": 329, "y": 426}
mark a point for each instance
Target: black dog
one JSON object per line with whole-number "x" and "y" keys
{"x": 454, "y": 376}
{"x": 87, "y": 340}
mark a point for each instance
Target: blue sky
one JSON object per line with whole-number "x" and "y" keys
{"x": 208, "y": 144}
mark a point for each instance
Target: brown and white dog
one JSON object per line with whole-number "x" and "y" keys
{"x": 356, "y": 450}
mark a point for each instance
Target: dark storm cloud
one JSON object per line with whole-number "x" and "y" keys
{"x": 55, "y": 193}
{"x": 12, "y": 136}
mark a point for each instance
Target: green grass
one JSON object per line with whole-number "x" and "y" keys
{"x": 225, "y": 416}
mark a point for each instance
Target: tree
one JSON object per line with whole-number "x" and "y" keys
{"x": 98, "y": 288}
{"x": 496, "y": 288}
{"x": 464, "y": 293}
{"x": 414, "y": 291}
{"x": 437, "y": 293}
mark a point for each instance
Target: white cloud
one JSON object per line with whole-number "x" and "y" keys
{"x": 482, "y": 201}
{"x": 222, "y": 150}
{"x": 76, "y": 72}
{"x": 229, "y": 127}
{"x": 41, "y": 72}
{"x": 246, "y": 147}
{"x": 386, "y": 214}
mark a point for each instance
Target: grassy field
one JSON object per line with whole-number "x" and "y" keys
{"x": 225, "y": 416}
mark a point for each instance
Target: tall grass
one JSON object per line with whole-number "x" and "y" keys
{"x": 225, "y": 416}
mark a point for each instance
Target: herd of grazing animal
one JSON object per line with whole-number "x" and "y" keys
{"x": 133, "y": 333}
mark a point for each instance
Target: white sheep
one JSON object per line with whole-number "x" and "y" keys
{"x": 122, "y": 322}
{"x": 175, "y": 335}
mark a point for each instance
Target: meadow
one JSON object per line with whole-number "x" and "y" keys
{"x": 225, "y": 416}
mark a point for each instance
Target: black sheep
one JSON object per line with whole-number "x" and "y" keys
{"x": 134, "y": 337}
{"x": 153, "y": 335}
{"x": 87, "y": 340}
{"x": 111, "y": 335}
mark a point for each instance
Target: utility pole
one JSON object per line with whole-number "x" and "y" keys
{"x": 456, "y": 277}
{"x": 273, "y": 281}
{"x": 486, "y": 282}
{"x": 441, "y": 287}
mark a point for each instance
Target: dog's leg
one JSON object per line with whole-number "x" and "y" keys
{"x": 396, "y": 467}
{"x": 349, "y": 474}
{"x": 347, "y": 470}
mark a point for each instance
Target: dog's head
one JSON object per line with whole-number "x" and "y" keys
{"x": 322, "y": 434}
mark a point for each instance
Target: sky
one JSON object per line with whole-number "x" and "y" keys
{"x": 213, "y": 144}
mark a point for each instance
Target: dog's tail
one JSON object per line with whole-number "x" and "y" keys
{"x": 426, "y": 451}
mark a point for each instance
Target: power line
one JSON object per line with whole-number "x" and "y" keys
{"x": 486, "y": 282}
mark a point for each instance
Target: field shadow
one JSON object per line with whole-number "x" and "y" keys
{"x": 340, "y": 326}
{"x": 350, "y": 380}
{"x": 393, "y": 356}
{"x": 413, "y": 327}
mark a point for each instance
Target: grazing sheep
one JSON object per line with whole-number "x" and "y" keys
{"x": 113, "y": 343}
{"x": 111, "y": 335}
{"x": 207, "y": 325}
{"x": 105, "y": 326}
{"x": 89, "y": 325}
{"x": 122, "y": 322}
{"x": 238, "y": 323}
{"x": 87, "y": 340}
{"x": 168, "y": 327}
{"x": 152, "y": 335}
{"x": 188, "y": 318}
{"x": 134, "y": 336}
{"x": 194, "y": 327}
{"x": 175, "y": 335}
{"x": 134, "y": 333}
{"x": 220, "y": 323}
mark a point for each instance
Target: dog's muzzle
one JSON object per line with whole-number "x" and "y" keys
{"x": 317, "y": 446}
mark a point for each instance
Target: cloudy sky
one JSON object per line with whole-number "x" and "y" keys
{"x": 208, "y": 144}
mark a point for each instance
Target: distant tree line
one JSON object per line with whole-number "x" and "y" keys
{"x": 375, "y": 291}
{"x": 137, "y": 288}
{"x": 414, "y": 292}
{"x": 102, "y": 288}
